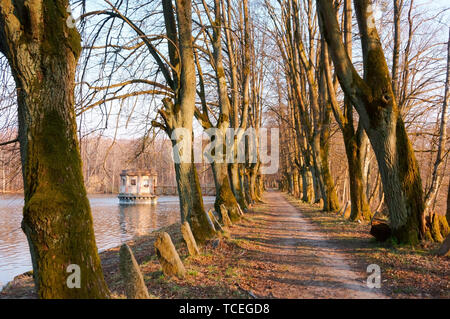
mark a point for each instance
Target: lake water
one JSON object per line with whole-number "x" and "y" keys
{"x": 113, "y": 225}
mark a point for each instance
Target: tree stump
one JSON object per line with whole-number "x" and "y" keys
{"x": 226, "y": 221}
{"x": 211, "y": 219}
{"x": 444, "y": 250}
{"x": 168, "y": 257}
{"x": 380, "y": 230}
{"x": 135, "y": 287}
{"x": 214, "y": 220}
{"x": 189, "y": 239}
{"x": 240, "y": 210}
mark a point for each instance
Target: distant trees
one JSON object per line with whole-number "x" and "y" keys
{"x": 42, "y": 52}
{"x": 310, "y": 108}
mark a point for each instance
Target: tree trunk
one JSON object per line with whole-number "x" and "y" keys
{"x": 330, "y": 199}
{"x": 57, "y": 220}
{"x": 331, "y": 202}
{"x": 437, "y": 177}
{"x": 296, "y": 188}
{"x": 253, "y": 175}
{"x": 359, "y": 205}
{"x": 236, "y": 184}
{"x": 192, "y": 209}
{"x": 308, "y": 187}
{"x": 179, "y": 114}
{"x": 353, "y": 141}
{"x": 224, "y": 195}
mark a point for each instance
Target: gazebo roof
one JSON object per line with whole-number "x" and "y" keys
{"x": 138, "y": 172}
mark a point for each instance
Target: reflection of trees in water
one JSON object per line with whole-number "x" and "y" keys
{"x": 167, "y": 214}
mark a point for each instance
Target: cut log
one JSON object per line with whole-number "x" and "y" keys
{"x": 444, "y": 250}
{"x": 135, "y": 287}
{"x": 380, "y": 230}
{"x": 189, "y": 239}
{"x": 168, "y": 257}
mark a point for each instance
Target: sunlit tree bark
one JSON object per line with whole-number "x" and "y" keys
{"x": 178, "y": 113}
{"x": 43, "y": 52}
{"x": 224, "y": 194}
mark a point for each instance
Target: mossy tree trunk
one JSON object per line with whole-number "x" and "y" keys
{"x": 252, "y": 183}
{"x": 447, "y": 214}
{"x": 353, "y": 140}
{"x": 296, "y": 186}
{"x": 359, "y": 205}
{"x": 374, "y": 100}
{"x": 260, "y": 185}
{"x": 237, "y": 170}
{"x": 179, "y": 113}
{"x": 331, "y": 202}
{"x": 43, "y": 52}
{"x": 236, "y": 184}
{"x": 224, "y": 193}
{"x": 308, "y": 195}
{"x": 304, "y": 76}
{"x": 307, "y": 190}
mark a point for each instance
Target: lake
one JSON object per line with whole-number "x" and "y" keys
{"x": 113, "y": 225}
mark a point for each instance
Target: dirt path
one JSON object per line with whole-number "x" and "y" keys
{"x": 296, "y": 259}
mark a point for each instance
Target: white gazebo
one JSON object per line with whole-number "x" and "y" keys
{"x": 138, "y": 186}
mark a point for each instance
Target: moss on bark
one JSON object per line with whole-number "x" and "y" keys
{"x": 57, "y": 218}
{"x": 191, "y": 202}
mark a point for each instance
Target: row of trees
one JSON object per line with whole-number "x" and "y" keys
{"x": 42, "y": 48}
{"x": 323, "y": 82}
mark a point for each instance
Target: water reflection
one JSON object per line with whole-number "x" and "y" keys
{"x": 113, "y": 225}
